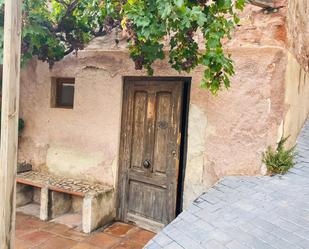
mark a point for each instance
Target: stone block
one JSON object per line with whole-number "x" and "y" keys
{"x": 44, "y": 211}
{"x": 98, "y": 210}
{"x": 173, "y": 245}
{"x": 163, "y": 240}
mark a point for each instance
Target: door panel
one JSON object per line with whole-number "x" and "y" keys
{"x": 148, "y": 201}
{"x": 139, "y": 122}
{"x": 162, "y": 131}
{"x": 149, "y": 156}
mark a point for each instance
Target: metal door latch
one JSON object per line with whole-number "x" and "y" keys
{"x": 146, "y": 164}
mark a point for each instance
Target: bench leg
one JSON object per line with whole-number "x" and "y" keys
{"x": 98, "y": 210}
{"x": 44, "y": 204}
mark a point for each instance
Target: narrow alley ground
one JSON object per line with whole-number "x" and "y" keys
{"x": 242, "y": 212}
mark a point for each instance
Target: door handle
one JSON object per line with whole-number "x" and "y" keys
{"x": 146, "y": 164}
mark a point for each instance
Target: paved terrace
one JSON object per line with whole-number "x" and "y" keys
{"x": 32, "y": 233}
{"x": 247, "y": 212}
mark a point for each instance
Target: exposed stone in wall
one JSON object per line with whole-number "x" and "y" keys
{"x": 255, "y": 29}
{"x": 229, "y": 132}
{"x": 297, "y": 99}
{"x": 258, "y": 29}
{"x": 277, "y": 106}
{"x": 248, "y": 109}
{"x": 196, "y": 179}
{"x": 298, "y": 25}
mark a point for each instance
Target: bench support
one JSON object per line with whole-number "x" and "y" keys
{"x": 44, "y": 209}
{"x": 98, "y": 210}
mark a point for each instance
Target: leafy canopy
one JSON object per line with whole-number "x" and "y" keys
{"x": 55, "y": 28}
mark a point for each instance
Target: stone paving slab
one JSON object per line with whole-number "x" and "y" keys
{"x": 32, "y": 233}
{"x": 242, "y": 212}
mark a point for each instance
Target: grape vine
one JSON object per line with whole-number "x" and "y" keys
{"x": 55, "y": 28}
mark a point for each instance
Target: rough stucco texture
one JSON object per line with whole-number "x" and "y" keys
{"x": 82, "y": 142}
{"x": 226, "y": 133}
{"x": 297, "y": 99}
{"x": 297, "y": 75}
{"x": 298, "y": 25}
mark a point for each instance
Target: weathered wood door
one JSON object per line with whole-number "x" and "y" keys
{"x": 149, "y": 156}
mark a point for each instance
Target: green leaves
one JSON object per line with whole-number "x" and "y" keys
{"x": 183, "y": 20}
{"x": 240, "y": 4}
{"x": 179, "y": 3}
{"x": 55, "y": 28}
{"x": 279, "y": 161}
{"x": 198, "y": 15}
{"x": 224, "y": 4}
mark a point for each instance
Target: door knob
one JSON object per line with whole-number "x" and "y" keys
{"x": 146, "y": 164}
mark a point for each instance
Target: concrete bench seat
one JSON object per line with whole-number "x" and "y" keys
{"x": 57, "y": 196}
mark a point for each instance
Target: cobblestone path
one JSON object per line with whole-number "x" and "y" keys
{"x": 247, "y": 212}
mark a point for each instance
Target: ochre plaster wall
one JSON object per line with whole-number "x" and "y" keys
{"x": 82, "y": 142}
{"x": 298, "y": 30}
{"x": 226, "y": 133}
{"x": 297, "y": 72}
{"x": 296, "y": 98}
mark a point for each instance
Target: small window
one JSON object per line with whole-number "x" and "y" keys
{"x": 63, "y": 92}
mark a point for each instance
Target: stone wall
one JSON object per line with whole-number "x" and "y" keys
{"x": 226, "y": 133}
{"x": 298, "y": 26}
{"x": 296, "y": 98}
{"x": 297, "y": 72}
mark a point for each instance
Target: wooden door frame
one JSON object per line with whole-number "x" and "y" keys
{"x": 183, "y": 145}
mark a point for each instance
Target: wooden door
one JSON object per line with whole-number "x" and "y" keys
{"x": 149, "y": 156}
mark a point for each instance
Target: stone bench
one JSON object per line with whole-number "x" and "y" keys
{"x": 57, "y": 196}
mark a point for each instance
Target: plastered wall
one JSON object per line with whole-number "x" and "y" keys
{"x": 297, "y": 75}
{"x": 226, "y": 133}
{"x": 296, "y": 99}
{"x": 298, "y": 31}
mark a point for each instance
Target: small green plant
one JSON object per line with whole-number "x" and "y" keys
{"x": 21, "y": 125}
{"x": 279, "y": 161}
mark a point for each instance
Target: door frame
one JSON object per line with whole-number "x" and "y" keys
{"x": 183, "y": 144}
